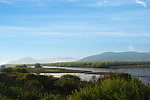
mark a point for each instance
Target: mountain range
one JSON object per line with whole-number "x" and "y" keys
{"x": 106, "y": 56}
{"x": 29, "y": 60}
{"x": 109, "y": 56}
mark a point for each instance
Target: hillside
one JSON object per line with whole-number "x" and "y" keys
{"x": 110, "y": 56}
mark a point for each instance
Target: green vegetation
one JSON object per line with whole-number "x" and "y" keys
{"x": 22, "y": 66}
{"x": 2, "y": 66}
{"x": 70, "y": 77}
{"x": 114, "y": 89}
{"x": 19, "y": 84}
{"x": 115, "y": 56}
{"x": 38, "y": 65}
{"x": 52, "y": 70}
{"x": 45, "y": 69}
{"x": 103, "y": 64}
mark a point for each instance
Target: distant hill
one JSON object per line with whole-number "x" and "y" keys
{"x": 28, "y": 60}
{"x": 109, "y": 56}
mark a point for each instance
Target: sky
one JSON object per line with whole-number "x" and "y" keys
{"x": 72, "y": 28}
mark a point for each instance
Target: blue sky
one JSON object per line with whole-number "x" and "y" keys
{"x": 72, "y": 28}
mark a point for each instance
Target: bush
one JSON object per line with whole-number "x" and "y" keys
{"x": 66, "y": 87}
{"x": 7, "y": 70}
{"x": 124, "y": 76}
{"x": 51, "y": 97}
{"x": 38, "y": 65}
{"x": 2, "y": 67}
{"x": 71, "y": 77}
{"x": 22, "y": 66}
{"x": 114, "y": 89}
{"x": 21, "y": 70}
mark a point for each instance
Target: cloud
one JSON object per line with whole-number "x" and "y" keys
{"x": 142, "y": 3}
{"x": 53, "y": 31}
{"x": 49, "y": 33}
{"x": 72, "y": 0}
{"x": 4, "y": 1}
{"x": 86, "y": 3}
{"x": 110, "y": 3}
{"x": 42, "y": 5}
{"x": 120, "y": 34}
{"x": 3, "y": 62}
{"x": 131, "y": 48}
{"x": 99, "y": 3}
{"x": 117, "y": 18}
{"x": 13, "y": 28}
{"x": 114, "y": 3}
{"x": 38, "y": 3}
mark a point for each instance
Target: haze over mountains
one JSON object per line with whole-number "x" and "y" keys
{"x": 106, "y": 56}
{"x": 29, "y": 60}
{"x": 109, "y": 56}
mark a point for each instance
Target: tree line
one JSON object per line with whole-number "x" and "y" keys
{"x": 99, "y": 64}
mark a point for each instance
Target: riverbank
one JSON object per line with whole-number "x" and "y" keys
{"x": 57, "y": 70}
{"x": 132, "y": 66}
{"x": 129, "y": 66}
{"x": 54, "y": 70}
{"x": 104, "y": 64}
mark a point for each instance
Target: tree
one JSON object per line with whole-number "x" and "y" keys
{"x": 22, "y": 66}
{"x": 3, "y": 66}
{"x": 21, "y": 70}
{"x": 7, "y": 70}
{"x": 38, "y": 65}
{"x": 71, "y": 77}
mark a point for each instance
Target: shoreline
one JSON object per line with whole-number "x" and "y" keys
{"x": 130, "y": 66}
{"x": 54, "y": 70}
{"x": 38, "y": 71}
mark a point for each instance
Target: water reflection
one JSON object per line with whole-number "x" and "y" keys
{"x": 83, "y": 76}
{"x": 142, "y": 73}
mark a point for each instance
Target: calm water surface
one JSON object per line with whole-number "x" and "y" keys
{"x": 83, "y": 76}
{"x": 142, "y": 73}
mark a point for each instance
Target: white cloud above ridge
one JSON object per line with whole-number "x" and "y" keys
{"x": 131, "y": 48}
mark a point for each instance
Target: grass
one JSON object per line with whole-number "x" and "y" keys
{"x": 45, "y": 69}
{"x": 52, "y": 70}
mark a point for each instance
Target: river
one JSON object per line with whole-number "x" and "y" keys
{"x": 142, "y": 73}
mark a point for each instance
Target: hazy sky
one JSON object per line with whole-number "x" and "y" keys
{"x": 72, "y": 28}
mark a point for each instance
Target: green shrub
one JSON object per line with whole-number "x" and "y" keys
{"x": 51, "y": 97}
{"x": 7, "y": 70}
{"x": 2, "y": 67}
{"x": 66, "y": 87}
{"x": 21, "y": 70}
{"x": 71, "y": 77}
{"x": 124, "y": 76}
{"x": 38, "y": 65}
{"x": 15, "y": 84}
{"x": 22, "y": 66}
{"x": 114, "y": 89}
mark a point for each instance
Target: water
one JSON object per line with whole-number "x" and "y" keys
{"x": 83, "y": 76}
{"x": 142, "y": 73}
